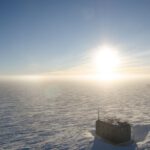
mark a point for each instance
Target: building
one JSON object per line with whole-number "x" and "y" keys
{"x": 114, "y": 131}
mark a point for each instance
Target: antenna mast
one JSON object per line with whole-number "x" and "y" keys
{"x": 98, "y": 113}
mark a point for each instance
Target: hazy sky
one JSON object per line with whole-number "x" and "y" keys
{"x": 50, "y": 35}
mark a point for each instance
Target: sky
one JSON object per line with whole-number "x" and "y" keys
{"x": 44, "y": 36}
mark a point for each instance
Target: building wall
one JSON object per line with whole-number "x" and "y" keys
{"x": 114, "y": 133}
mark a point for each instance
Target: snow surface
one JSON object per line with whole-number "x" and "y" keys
{"x": 61, "y": 115}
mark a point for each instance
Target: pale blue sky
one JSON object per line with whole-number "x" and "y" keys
{"x": 49, "y": 35}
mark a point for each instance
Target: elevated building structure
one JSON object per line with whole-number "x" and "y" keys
{"x": 115, "y": 131}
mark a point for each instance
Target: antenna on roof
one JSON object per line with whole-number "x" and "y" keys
{"x": 98, "y": 113}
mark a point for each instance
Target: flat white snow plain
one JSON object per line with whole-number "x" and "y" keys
{"x": 61, "y": 115}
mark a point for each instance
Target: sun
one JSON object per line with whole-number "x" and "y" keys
{"x": 106, "y": 63}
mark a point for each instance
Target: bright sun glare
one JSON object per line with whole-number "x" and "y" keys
{"x": 106, "y": 62}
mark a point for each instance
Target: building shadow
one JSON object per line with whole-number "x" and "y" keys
{"x": 99, "y": 144}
